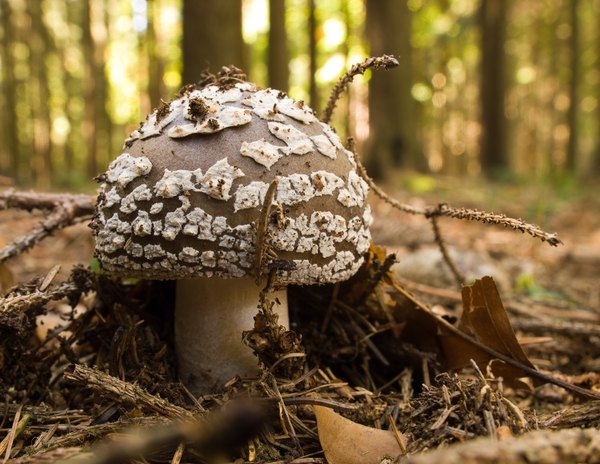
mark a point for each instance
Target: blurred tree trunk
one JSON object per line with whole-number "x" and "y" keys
{"x": 277, "y": 49}
{"x": 73, "y": 94}
{"x": 492, "y": 21}
{"x": 312, "y": 56}
{"x": 575, "y": 68}
{"x": 89, "y": 127}
{"x": 212, "y": 36}
{"x": 597, "y": 159}
{"x": 96, "y": 123}
{"x": 392, "y": 123}
{"x": 156, "y": 88}
{"x": 42, "y": 168}
{"x": 9, "y": 89}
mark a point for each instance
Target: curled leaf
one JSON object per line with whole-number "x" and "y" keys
{"x": 485, "y": 318}
{"x": 346, "y": 442}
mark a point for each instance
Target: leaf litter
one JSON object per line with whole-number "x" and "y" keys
{"x": 107, "y": 373}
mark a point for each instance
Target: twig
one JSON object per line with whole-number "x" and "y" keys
{"x": 123, "y": 392}
{"x": 286, "y": 421}
{"x": 444, "y": 209}
{"x": 376, "y": 62}
{"x": 577, "y": 415}
{"x": 35, "y": 200}
{"x": 380, "y": 273}
{"x": 65, "y": 210}
{"x": 327, "y": 403}
{"x": 460, "y": 278}
{"x": 262, "y": 226}
{"x": 492, "y": 218}
{"x": 80, "y": 281}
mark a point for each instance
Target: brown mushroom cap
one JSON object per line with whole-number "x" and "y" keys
{"x": 184, "y": 198}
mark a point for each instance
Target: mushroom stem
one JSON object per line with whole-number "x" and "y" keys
{"x": 210, "y": 316}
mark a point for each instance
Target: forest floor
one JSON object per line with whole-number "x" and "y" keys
{"x": 561, "y": 283}
{"x": 571, "y": 269}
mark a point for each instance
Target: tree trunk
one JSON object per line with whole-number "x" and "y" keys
{"x": 392, "y": 121}
{"x": 212, "y": 36}
{"x": 96, "y": 123}
{"x": 312, "y": 56}
{"x": 11, "y": 142}
{"x": 597, "y": 153}
{"x": 277, "y": 50}
{"x": 40, "y": 112}
{"x": 156, "y": 88}
{"x": 572, "y": 144}
{"x": 89, "y": 126}
{"x": 492, "y": 88}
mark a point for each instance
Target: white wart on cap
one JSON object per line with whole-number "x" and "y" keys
{"x": 183, "y": 199}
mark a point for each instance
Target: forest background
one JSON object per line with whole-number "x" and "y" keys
{"x": 504, "y": 89}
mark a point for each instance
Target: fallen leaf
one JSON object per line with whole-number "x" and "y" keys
{"x": 485, "y": 318}
{"x": 346, "y": 442}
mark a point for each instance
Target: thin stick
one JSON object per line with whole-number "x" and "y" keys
{"x": 460, "y": 278}
{"x": 263, "y": 223}
{"x": 376, "y": 62}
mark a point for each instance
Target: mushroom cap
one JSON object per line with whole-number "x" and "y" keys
{"x": 184, "y": 198}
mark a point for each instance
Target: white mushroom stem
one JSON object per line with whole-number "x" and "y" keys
{"x": 210, "y": 316}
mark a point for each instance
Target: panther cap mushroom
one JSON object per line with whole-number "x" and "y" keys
{"x": 182, "y": 202}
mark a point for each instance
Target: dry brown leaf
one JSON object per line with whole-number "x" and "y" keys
{"x": 485, "y": 318}
{"x": 346, "y": 442}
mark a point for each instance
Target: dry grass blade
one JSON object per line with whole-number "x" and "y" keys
{"x": 461, "y": 213}
{"x": 18, "y": 426}
{"x": 376, "y": 62}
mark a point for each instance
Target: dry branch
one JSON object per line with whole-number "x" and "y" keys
{"x": 27, "y": 297}
{"x": 123, "y": 392}
{"x": 578, "y": 415}
{"x": 64, "y": 210}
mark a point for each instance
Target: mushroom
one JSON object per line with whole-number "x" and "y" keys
{"x": 183, "y": 202}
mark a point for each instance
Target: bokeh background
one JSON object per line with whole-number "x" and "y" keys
{"x": 504, "y": 89}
